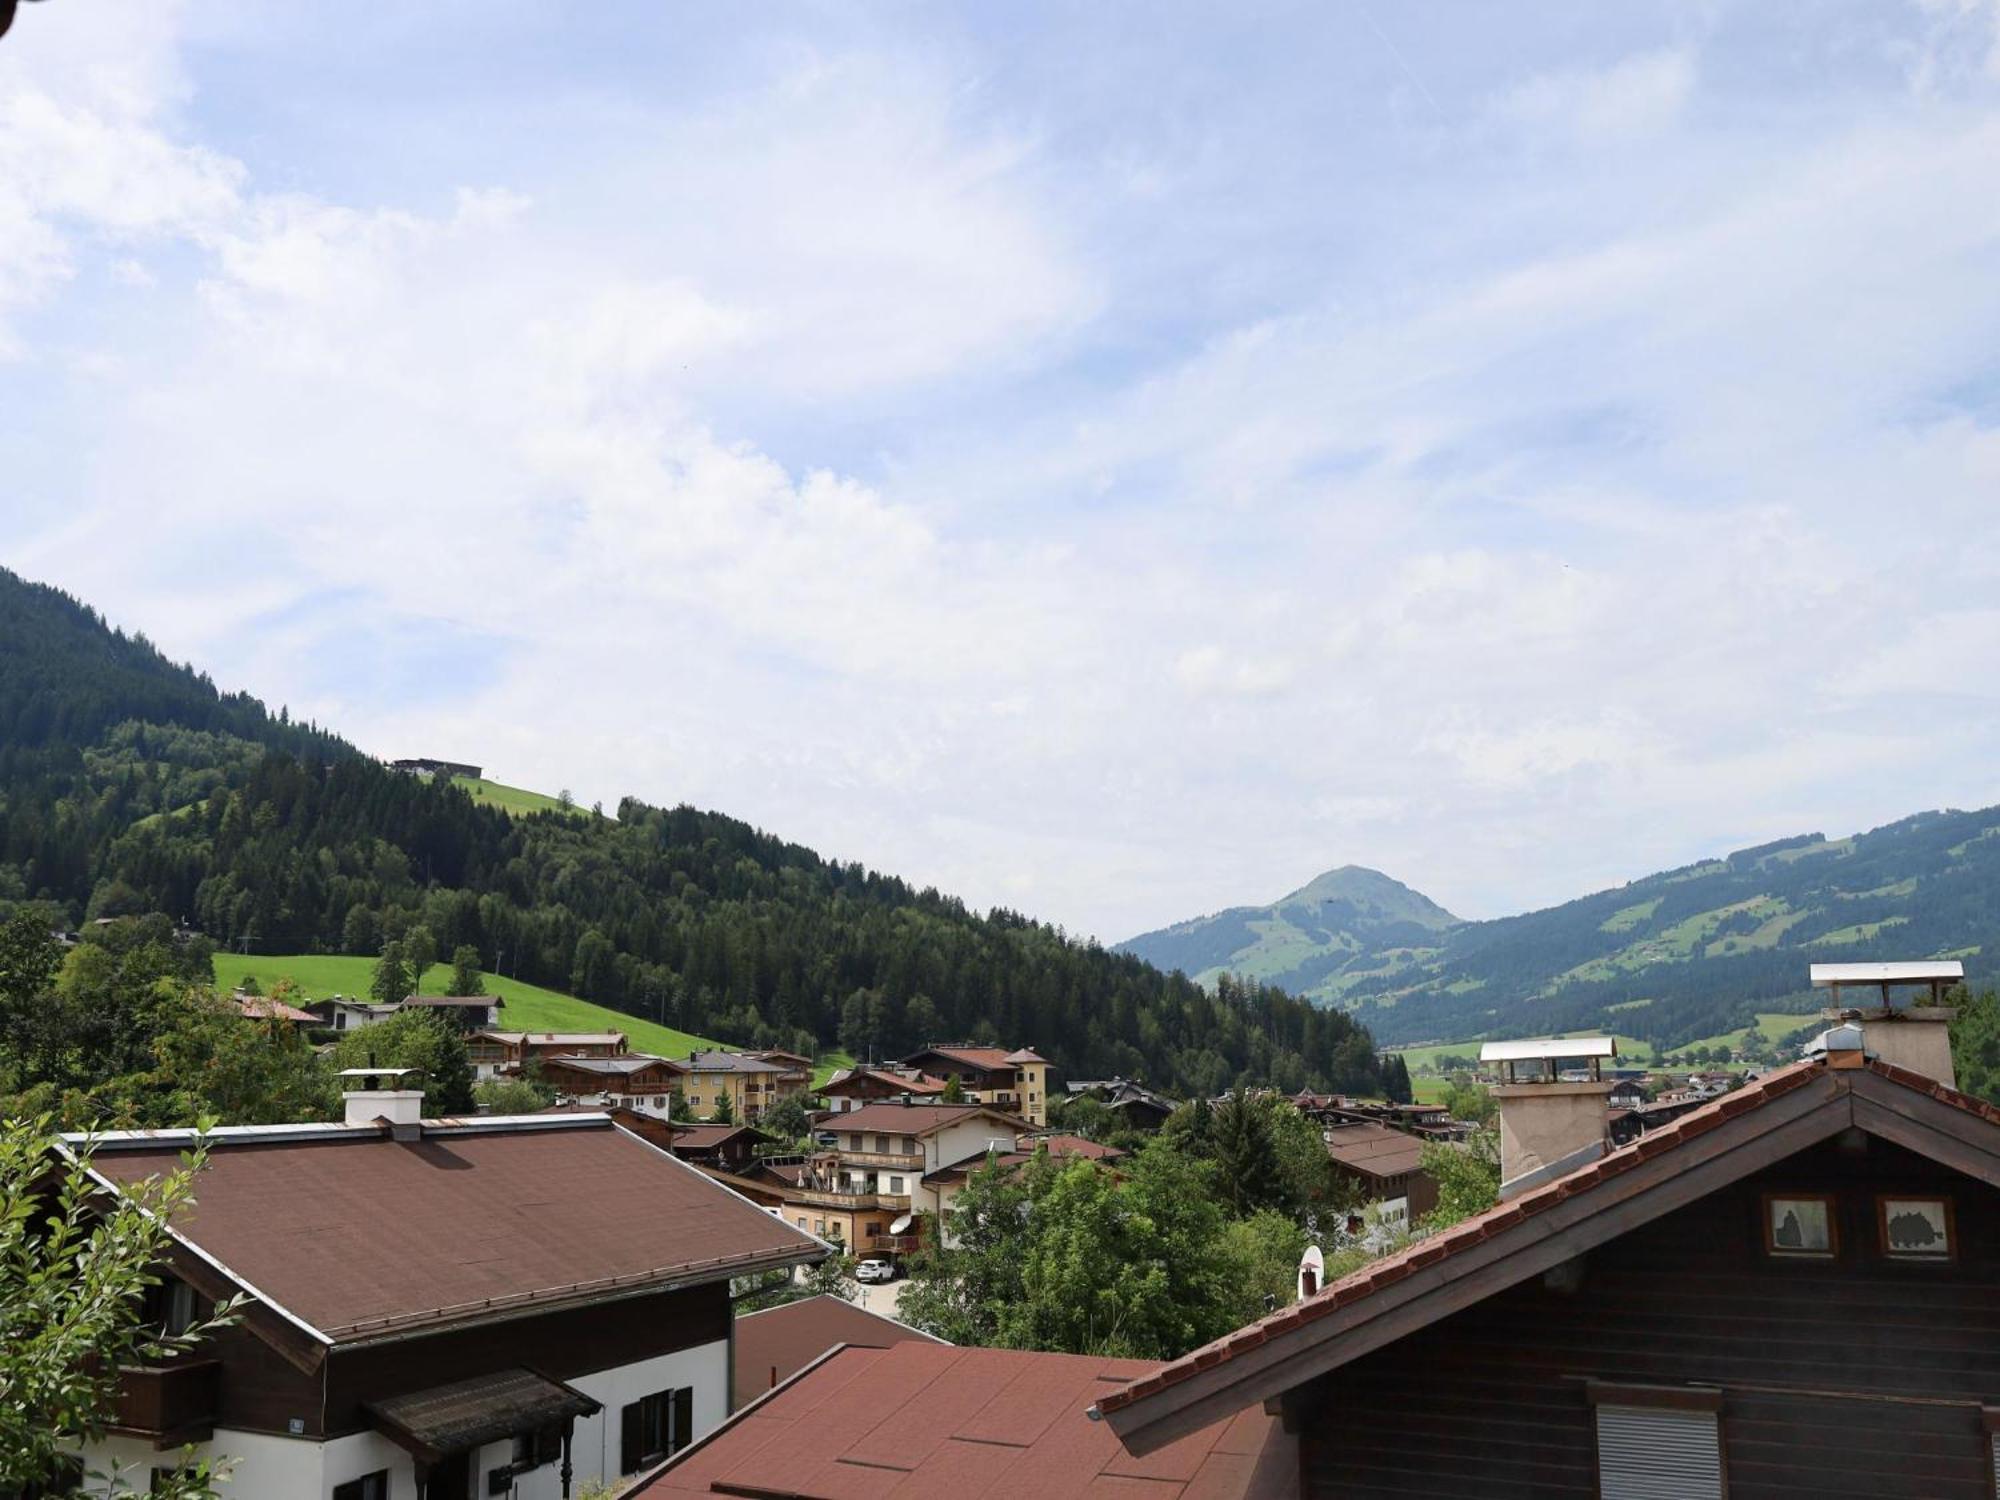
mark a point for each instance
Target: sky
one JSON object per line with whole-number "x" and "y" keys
{"x": 1113, "y": 462}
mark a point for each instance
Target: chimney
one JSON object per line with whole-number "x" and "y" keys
{"x": 1906, "y": 1034}
{"x": 1554, "y": 1111}
{"x": 400, "y": 1104}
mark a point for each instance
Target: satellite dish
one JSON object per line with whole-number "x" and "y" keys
{"x": 902, "y": 1225}
{"x": 1312, "y": 1272}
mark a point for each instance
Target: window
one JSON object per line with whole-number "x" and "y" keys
{"x": 172, "y": 1307}
{"x": 368, "y": 1487}
{"x": 654, "y": 1427}
{"x": 882, "y": 1144}
{"x": 895, "y": 1184}
{"x": 909, "y": 1145}
{"x": 802, "y": 1221}
{"x": 819, "y": 1226}
{"x": 1916, "y": 1228}
{"x": 1801, "y": 1226}
{"x": 1658, "y": 1440}
{"x": 542, "y": 1446}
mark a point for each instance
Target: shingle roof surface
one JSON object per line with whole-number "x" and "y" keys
{"x": 919, "y": 1421}
{"x": 360, "y": 1234}
{"x": 1374, "y": 1149}
{"x": 777, "y": 1343}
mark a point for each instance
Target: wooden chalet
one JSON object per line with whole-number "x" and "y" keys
{"x": 728, "y": 1148}
{"x": 1791, "y": 1291}
{"x": 634, "y": 1080}
{"x": 1016, "y": 1081}
{"x": 493, "y": 1052}
{"x": 851, "y": 1088}
{"x": 1386, "y": 1166}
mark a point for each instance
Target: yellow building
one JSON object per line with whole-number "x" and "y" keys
{"x": 751, "y": 1084}
{"x": 1017, "y": 1082}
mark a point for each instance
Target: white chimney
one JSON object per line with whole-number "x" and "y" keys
{"x": 399, "y": 1105}
{"x": 1554, "y": 1114}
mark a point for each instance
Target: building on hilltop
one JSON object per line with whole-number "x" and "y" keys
{"x": 1016, "y": 1081}
{"x": 471, "y": 1011}
{"x": 423, "y": 766}
{"x": 494, "y": 1053}
{"x": 631, "y": 1081}
{"x": 439, "y": 1309}
{"x": 1136, "y": 1106}
{"x": 850, "y": 1088}
{"x": 1790, "y": 1290}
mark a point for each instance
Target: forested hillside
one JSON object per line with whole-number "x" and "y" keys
{"x": 1684, "y": 954}
{"x": 128, "y": 784}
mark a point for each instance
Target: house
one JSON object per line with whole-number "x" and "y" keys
{"x": 1628, "y": 1093}
{"x": 1386, "y": 1165}
{"x": 922, "y": 1419}
{"x": 939, "y": 1190}
{"x": 869, "y": 1177}
{"x": 850, "y": 1088}
{"x": 425, "y": 766}
{"x": 1016, "y": 1081}
{"x": 728, "y": 1148}
{"x": 798, "y": 1068}
{"x": 1136, "y": 1106}
{"x": 344, "y": 1013}
{"x": 440, "y": 1309}
{"x": 750, "y": 1084}
{"x": 472, "y": 1011}
{"x": 263, "y": 1008}
{"x": 635, "y": 1081}
{"x": 774, "y": 1343}
{"x": 1788, "y": 1291}
{"x": 494, "y": 1052}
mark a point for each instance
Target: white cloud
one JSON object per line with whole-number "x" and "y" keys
{"x": 1635, "y": 96}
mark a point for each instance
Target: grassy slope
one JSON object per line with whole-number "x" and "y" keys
{"x": 529, "y": 1006}
{"x": 512, "y": 799}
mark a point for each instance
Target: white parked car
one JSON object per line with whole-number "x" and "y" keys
{"x": 876, "y": 1268}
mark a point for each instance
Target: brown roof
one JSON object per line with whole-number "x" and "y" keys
{"x": 449, "y": 1419}
{"x": 775, "y": 1344}
{"x": 488, "y": 1001}
{"x": 356, "y": 1234}
{"x": 1068, "y": 1147}
{"x": 262, "y": 1008}
{"x": 1374, "y": 1150}
{"x": 731, "y": 1062}
{"x": 898, "y": 1083}
{"x": 920, "y": 1420}
{"x": 706, "y": 1137}
{"x": 1841, "y": 1095}
{"x": 908, "y": 1119}
{"x": 993, "y": 1059}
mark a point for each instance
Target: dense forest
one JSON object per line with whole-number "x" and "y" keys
{"x": 129, "y": 785}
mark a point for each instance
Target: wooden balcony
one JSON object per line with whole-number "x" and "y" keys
{"x": 899, "y": 1244}
{"x": 820, "y": 1198}
{"x": 894, "y": 1161}
{"x": 171, "y": 1404}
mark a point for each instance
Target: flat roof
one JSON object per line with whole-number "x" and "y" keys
{"x": 1923, "y": 971}
{"x": 1540, "y": 1047}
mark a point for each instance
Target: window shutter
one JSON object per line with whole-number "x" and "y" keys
{"x": 632, "y": 1438}
{"x": 1658, "y": 1453}
{"x": 683, "y": 1432}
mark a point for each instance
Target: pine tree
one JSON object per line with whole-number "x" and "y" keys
{"x": 1246, "y": 1154}
{"x": 392, "y": 976}
{"x": 465, "y": 976}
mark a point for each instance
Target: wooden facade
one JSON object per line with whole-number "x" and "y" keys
{"x": 1852, "y": 1375}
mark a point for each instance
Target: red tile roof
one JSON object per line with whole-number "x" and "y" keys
{"x": 919, "y": 1421}
{"x": 920, "y": 1084}
{"x": 263, "y": 1008}
{"x": 1376, "y": 1275}
{"x": 775, "y": 1344}
{"x": 357, "y": 1234}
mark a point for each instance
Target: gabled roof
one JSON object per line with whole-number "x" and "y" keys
{"x": 896, "y": 1082}
{"x": 553, "y": 1038}
{"x": 986, "y": 1059}
{"x": 918, "y": 1421}
{"x": 912, "y": 1119}
{"x": 263, "y": 1008}
{"x": 708, "y": 1136}
{"x": 469, "y": 1001}
{"x": 1374, "y": 1150}
{"x": 1025, "y": 1055}
{"x": 1063, "y": 1147}
{"x": 354, "y": 1235}
{"x": 730, "y": 1062}
{"x": 1704, "y": 1150}
{"x": 621, "y": 1066}
{"x": 775, "y": 1343}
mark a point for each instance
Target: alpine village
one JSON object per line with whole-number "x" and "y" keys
{"x": 1055, "y": 477}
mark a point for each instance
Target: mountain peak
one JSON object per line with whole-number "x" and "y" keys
{"x": 1372, "y": 894}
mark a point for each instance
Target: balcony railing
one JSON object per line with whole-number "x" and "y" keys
{"x": 824, "y": 1199}
{"x": 895, "y": 1161}
{"x": 177, "y": 1401}
{"x": 899, "y": 1244}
